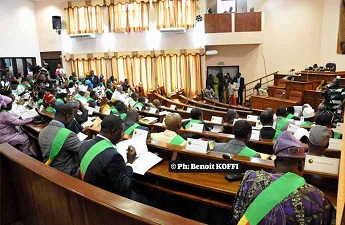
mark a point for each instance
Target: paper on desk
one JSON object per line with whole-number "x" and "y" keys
{"x": 217, "y": 129}
{"x": 335, "y": 144}
{"x": 321, "y": 164}
{"x": 149, "y": 120}
{"x": 189, "y": 109}
{"x": 255, "y": 135}
{"x": 196, "y": 127}
{"x": 88, "y": 123}
{"x": 252, "y": 118}
{"x": 153, "y": 110}
{"x": 164, "y": 113}
{"x": 265, "y": 156}
{"x": 145, "y": 162}
{"x": 139, "y": 133}
{"x": 81, "y": 136}
{"x": 217, "y": 119}
{"x": 97, "y": 109}
{"x": 29, "y": 114}
{"x": 145, "y": 159}
{"x": 90, "y": 110}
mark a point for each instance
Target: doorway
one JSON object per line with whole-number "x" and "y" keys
{"x": 52, "y": 59}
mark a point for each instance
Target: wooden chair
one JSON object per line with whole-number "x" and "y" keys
{"x": 297, "y": 96}
{"x": 278, "y": 93}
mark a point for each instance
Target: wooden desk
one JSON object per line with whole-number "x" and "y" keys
{"x": 261, "y": 102}
{"x": 313, "y": 98}
{"x": 319, "y": 76}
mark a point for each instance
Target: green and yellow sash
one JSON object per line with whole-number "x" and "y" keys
{"x": 276, "y": 135}
{"x": 177, "y": 140}
{"x": 130, "y": 129}
{"x": 89, "y": 99}
{"x": 289, "y": 116}
{"x": 247, "y": 152}
{"x": 138, "y": 104}
{"x": 271, "y": 197}
{"x": 307, "y": 124}
{"x": 114, "y": 110}
{"x": 57, "y": 143}
{"x": 123, "y": 116}
{"x": 95, "y": 150}
{"x": 281, "y": 123}
{"x": 51, "y": 110}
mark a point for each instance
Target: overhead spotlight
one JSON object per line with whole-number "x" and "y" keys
{"x": 198, "y": 18}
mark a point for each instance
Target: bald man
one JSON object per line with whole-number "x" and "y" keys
{"x": 173, "y": 124}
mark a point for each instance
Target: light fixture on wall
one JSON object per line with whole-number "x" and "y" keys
{"x": 56, "y": 22}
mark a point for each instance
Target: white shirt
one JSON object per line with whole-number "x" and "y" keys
{"x": 61, "y": 71}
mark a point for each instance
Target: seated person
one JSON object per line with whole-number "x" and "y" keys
{"x": 267, "y": 131}
{"x": 131, "y": 123}
{"x": 140, "y": 104}
{"x": 231, "y": 115}
{"x": 132, "y": 100}
{"x": 100, "y": 163}
{"x": 322, "y": 86}
{"x": 325, "y": 118}
{"x": 308, "y": 114}
{"x": 242, "y": 132}
{"x": 291, "y": 113}
{"x": 296, "y": 201}
{"x": 40, "y": 96}
{"x": 49, "y": 102}
{"x": 79, "y": 119}
{"x": 60, "y": 146}
{"x": 119, "y": 108}
{"x": 61, "y": 98}
{"x": 8, "y": 132}
{"x": 196, "y": 118}
{"x": 318, "y": 140}
{"x": 282, "y": 122}
{"x": 92, "y": 99}
{"x": 173, "y": 124}
{"x": 119, "y": 95}
{"x": 155, "y": 104}
{"x": 109, "y": 92}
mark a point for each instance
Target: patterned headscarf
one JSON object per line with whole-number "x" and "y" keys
{"x": 48, "y": 98}
{"x": 4, "y": 101}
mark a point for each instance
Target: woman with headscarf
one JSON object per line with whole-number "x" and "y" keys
{"x": 49, "y": 101}
{"x": 9, "y": 133}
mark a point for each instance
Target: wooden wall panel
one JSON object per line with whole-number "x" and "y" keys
{"x": 218, "y": 23}
{"x": 246, "y": 22}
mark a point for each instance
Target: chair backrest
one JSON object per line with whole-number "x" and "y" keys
{"x": 331, "y": 66}
{"x": 278, "y": 92}
{"x": 297, "y": 96}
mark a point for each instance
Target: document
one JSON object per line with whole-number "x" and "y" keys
{"x": 107, "y": 112}
{"x": 149, "y": 120}
{"x": 196, "y": 127}
{"x": 173, "y": 107}
{"x": 29, "y": 114}
{"x": 97, "y": 109}
{"x": 164, "y": 113}
{"x": 152, "y": 110}
{"x": 335, "y": 144}
{"x": 339, "y": 128}
{"x": 88, "y": 123}
{"x": 292, "y": 128}
{"x": 217, "y": 119}
{"x": 90, "y": 110}
{"x": 321, "y": 164}
{"x": 255, "y": 135}
{"x": 252, "y": 118}
{"x": 139, "y": 133}
{"x": 217, "y": 129}
{"x": 197, "y": 145}
{"x": 189, "y": 109}
{"x": 81, "y": 136}
{"x": 145, "y": 159}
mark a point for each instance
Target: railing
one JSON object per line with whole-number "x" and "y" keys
{"x": 264, "y": 81}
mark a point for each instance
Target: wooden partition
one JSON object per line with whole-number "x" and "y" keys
{"x": 218, "y": 23}
{"x": 246, "y": 22}
{"x": 34, "y": 193}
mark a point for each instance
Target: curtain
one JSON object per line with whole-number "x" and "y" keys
{"x": 175, "y": 13}
{"x": 84, "y": 19}
{"x": 171, "y": 69}
{"x": 129, "y": 17}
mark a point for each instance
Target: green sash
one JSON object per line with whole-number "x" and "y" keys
{"x": 247, "y": 152}
{"x": 276, "y": 135}
{"x": 271, "y": 197}
{"x": 114, "y": 110}
{"x": 59, "y": 100}
{"x": 281, "y": 124}
{"x": 337, "y": 135}
{"x": 177, "y": 140}
{"x": 123, "y": 116}
{"x": 51, "y": 110}
{"x": 95, "y": 150}
{"x": 108, "y": 90}
{"x": 289, "y": 116}
{"x": 138, "y": 104}
{"x": 307, "y": 124}
{"x": 131, "y": 128}
{"x": 89, "y": 99}
{"x": 57, "y": 144}
{"x": 40, "y": 101}
{"x": 192, "y": 121}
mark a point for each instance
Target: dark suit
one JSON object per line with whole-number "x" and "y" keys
{"x": 267, "y": 133}
{"x": 240, "y": 90}
{"x": 94, "y": 80}
{"x": 107, "y": 170}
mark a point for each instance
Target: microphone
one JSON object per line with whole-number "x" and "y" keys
{"x": 283, "y": 95}
{"x": 226, "y": 156}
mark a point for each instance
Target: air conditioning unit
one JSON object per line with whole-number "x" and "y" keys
{"x": 177, "y": 30}
{"x": 212, "y": 52}
{"x": 87, "y": 35}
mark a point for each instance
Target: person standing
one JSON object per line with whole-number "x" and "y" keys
{"x": 93, "y": 78}
{"x": 240, "y": 84}
{"x": 215, "y": 84}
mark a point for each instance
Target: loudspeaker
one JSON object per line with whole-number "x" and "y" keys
{"x": 56, "y": 21}
{"x": 342, "y": 44}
